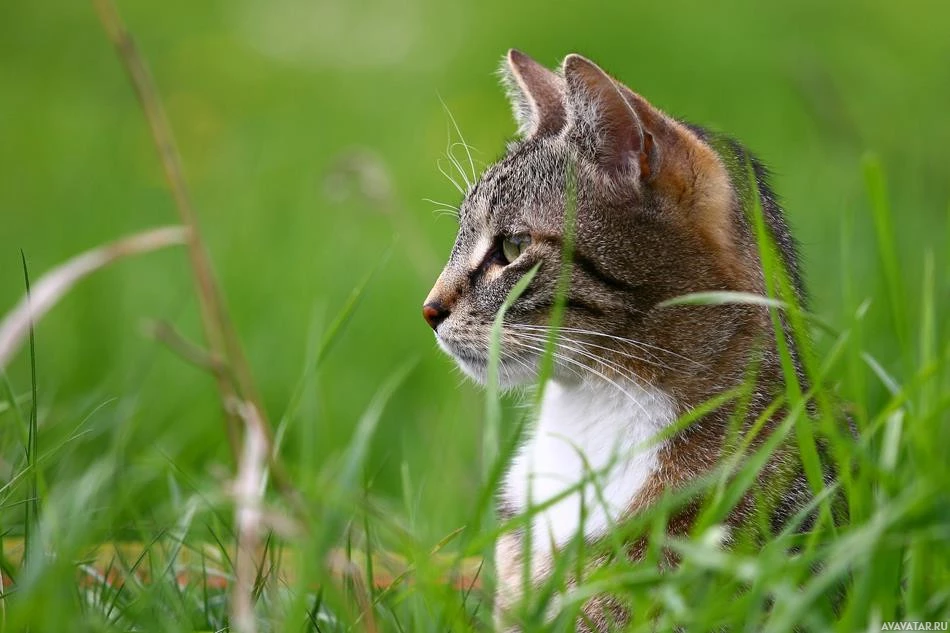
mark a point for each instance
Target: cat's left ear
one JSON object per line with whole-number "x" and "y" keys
{"x": 536, "y": 93}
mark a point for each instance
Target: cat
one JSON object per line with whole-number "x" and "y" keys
{"x": 660, "y": 212}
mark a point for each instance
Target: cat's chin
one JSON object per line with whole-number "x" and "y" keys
{"x": 511, "y": 375}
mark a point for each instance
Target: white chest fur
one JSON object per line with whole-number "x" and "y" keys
{"x": 592, "y": 432}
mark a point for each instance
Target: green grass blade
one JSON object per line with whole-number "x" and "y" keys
{"x": 723, "y": 297}
{"x": 345, "y": 314}
{"x": 563, "y": 284}
{"x": 32, "y": 504}
{"x": 492, "y": 399}
{"x": 887, "y": 250}
{"x": 778, "y": 286}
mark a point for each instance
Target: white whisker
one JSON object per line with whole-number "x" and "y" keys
{"x": 510, "y": 356}
{"x": 620, "y": 339}
{"x": 461, "y": 190}
{"x": 585, "y": 344}
{"x": 468, "y": 152}
{"x": 558, "y": 356}
{"x": 458, "y": 131}
{"x": 458, "y": 166}
{"x": 442, "y": 205}
{"x": 653, "y": 360}
{"x": 620, "y": 369}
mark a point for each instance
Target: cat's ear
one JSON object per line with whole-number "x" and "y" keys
{"x": 604, "y": 121}
{"x": 536, "y": 94}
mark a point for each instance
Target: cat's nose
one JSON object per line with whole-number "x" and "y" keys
{"x": 434, "y": 313}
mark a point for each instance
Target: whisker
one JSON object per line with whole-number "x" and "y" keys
{"x": 443, "y": 205}
{"x": 603, "y": 376}
{"x": 442, "y": 211}
{"x": 458, "y": 131}
{"x": 620, "y": 369}
{"x": 451, "y": 180}
{"x": 511, "y": 356}
{"x": 468, "y": 150}
{"x": 650, "y": 361}
{"x": 616, "y": 338}
{"x": 565, "y": 343}
{"x": 451, "y": 156}
{"x": 653, "y": 360}
{"x": 556, "y": 355}
{"x": 457, "y": 164}
{"x": 516, "y": 341}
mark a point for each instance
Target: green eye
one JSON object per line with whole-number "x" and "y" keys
{"x": 512, "y": 247}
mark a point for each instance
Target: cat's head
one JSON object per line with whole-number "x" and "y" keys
{"x": 656, "y": 217}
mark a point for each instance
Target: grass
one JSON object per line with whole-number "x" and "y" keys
{"x": 389, "y": 518}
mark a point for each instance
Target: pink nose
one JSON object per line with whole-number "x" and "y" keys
{"x": 434, "y": 313}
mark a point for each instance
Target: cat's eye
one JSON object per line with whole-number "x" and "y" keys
{"x": 512, "y": 247}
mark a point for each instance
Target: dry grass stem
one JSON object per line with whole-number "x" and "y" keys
{"x": 51, "y": 287}
{"x": 218, "y": 330}
{"x": 165, "y": 333}
{"x": 351, "y": 573}
{"x": 249, "y": 488}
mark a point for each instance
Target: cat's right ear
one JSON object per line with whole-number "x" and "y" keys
{"x": 604, "y": 122}
{"x": 536, "y": 94}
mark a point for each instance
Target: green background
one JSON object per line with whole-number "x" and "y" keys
{"x": 269, "y": 99}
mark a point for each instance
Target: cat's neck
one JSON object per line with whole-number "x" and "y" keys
{"x": 586, "y": 430}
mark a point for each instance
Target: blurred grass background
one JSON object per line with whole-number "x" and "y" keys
{"x": 269, "y": 99}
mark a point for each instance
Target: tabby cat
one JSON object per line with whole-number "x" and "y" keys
{"x": 660, "y": 212}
